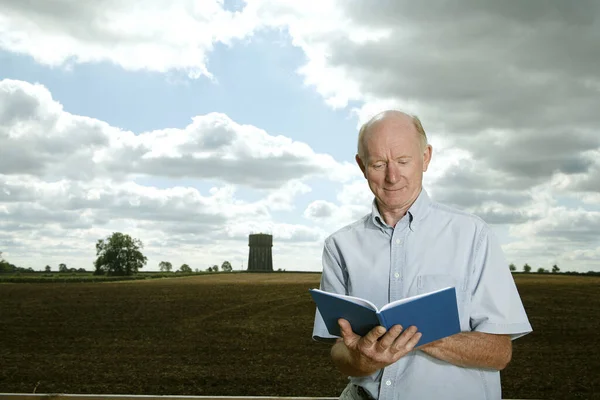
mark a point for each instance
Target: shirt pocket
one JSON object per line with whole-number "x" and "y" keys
{"x": 431, "y": 282}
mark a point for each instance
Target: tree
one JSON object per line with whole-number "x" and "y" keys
{"x": 215, "y": 268}
{"x": 555, "y": 269}
{"x": 119, "y": 254}
{"x": 5, "y": 266}
{"x": 226, "y": 266}
{"x": 165, "y": 266}
{"x": 512, "y": 267}
{"x": 48, "y": 269}
{"x": 62, "y": 268}
{"x": 185, "y": 268}
{"x": 541, "y": 270}
{"x": 526, "y": 268}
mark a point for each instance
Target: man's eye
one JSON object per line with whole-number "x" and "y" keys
{"x": 378, "y": 165}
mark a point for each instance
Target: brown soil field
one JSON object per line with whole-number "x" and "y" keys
{"x": 249, "y": 335}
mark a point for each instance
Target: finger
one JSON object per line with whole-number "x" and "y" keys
{"x": 412, "y": 342}
{"x": 403, "y": 339}
{"x": 388, "y": 339}
{"x": 370, "y": 339}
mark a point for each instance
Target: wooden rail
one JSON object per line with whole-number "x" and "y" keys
{"x": 49, "y": 396}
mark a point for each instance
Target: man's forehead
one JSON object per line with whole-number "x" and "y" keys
{"x": 397, "y": 120}
{"x": 392, "y": 130}
{"x": 396, "y": 139}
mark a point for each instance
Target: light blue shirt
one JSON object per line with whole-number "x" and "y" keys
{"x": 431, "y": 247}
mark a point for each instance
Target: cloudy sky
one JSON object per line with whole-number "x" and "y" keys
{"x": 191, "y": 123}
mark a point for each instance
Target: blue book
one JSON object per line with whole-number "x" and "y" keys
{"x": 435, "y": 314}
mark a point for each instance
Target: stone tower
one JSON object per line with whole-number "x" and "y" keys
{"x": 260, "y": 257}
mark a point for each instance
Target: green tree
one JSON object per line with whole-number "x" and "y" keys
{"x": 185, "y": 268}
{"x": 119, "y": 254}
{"x": 555, "y": 269}
{"x": 526, "y": 268}
{"x": 512, "y": 267}
{"x": 165, "y": 266}
{"x": 62, "y": 268}
{"x": 5, "y": 266}
{"x": 226, "y": 266}
{"x": 48, "y": 269}
{"x": 541, "y": 270}
{"x": 215, "y": 268}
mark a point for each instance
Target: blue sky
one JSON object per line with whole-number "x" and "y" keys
{"x": 240, "y": 88}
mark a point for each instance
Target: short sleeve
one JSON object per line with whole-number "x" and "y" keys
{"x": 332, "y": 280}
{"x": 496, "y": 305}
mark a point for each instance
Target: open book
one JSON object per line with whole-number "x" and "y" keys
{"x": 435, "y": 314}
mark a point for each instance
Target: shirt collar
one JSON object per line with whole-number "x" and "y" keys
{"x": 416, "y": 211}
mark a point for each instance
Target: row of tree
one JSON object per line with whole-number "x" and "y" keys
{"x": 166, "y": 266}
{"x": 527, "y": 269}
{"x": 117, "y": 254}
{"x": 120, "y": 254}
{"x": 6, "y": 267}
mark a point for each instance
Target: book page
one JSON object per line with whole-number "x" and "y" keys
{"x": 413, "y": 298}
{"x": 356, "y": 300}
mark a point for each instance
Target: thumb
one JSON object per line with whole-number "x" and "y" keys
{"x": 347, "y": 334}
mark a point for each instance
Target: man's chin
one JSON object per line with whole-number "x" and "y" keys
{"x": 394, "y": 202}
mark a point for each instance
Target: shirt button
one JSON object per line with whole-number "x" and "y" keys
{"x": 396, "y": 275}
{"x": 398, "y": 241}
{"x": 388, "y": 382}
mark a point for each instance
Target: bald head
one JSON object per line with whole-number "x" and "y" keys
{"x": 389, "y": 115}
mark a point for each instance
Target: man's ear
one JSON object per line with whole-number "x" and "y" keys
{"x": 427, "y": 156}
{"x": 361, "y": 165}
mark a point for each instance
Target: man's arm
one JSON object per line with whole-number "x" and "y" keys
{"x": 472, "y": 349}
{"x": 356, "y": 355}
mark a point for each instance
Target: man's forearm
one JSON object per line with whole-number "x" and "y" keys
{"x": 472, "y": 349}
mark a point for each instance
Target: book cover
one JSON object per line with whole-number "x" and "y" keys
{"x": 435, "y": 314}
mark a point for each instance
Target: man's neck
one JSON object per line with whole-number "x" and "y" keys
{"x": 392, "y": 216}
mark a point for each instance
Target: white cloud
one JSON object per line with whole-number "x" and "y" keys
{"x": 39, "y": 217}
{"x": 353, "y": 202}
{"x": 577, "y": 226}
{"x": 560, "y": 235}
{"x": 320, "y": 209}
{"x": 41, "y": 139}
{"x": 155, "y": 35}
{"x": 585, "y": 255}
{"x": 284, "y": 197}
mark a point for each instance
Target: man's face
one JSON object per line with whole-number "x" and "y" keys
{"x": 394, "y": 162}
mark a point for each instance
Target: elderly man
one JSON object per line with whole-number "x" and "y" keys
{"x": 409, "y": 245}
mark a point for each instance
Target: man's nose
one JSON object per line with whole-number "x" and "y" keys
{"x": 391, "y": 174}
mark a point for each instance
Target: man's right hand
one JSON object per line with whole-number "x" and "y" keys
{"x": 363, "y": 355}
